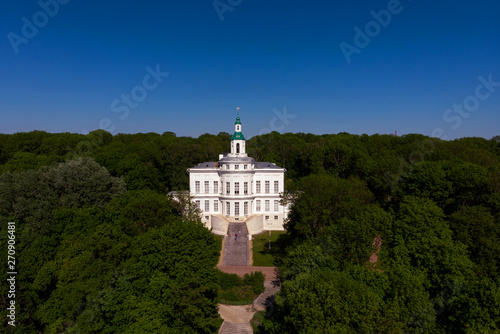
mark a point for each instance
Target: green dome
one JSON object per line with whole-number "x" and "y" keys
{"x": 238, "y": 136}
{"x": 238, "y": 120}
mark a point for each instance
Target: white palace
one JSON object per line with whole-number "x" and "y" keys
{"x": 238, "y": 189}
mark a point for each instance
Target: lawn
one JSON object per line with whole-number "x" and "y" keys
{"x": 262, "y": 255}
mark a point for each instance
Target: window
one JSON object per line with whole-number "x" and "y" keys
{"x": 197, "y": 186}
{"x": 276, "y": 187}
{"x": 207, "y": 187}
{"x": 245, "y": 166}
{"x": 238, "y": 148}
{"x": 216, "y": 206}
{"x": 267, "y": 187}
{"x": 228, "y": 188}
{"x": 207, "y": 206}
{"x": 267, "y": 217}
{"x": 257, "y": 187}
{"x": 276, "y": 205}
{"x": 228, "y": 208}
{"x": 266, "y": 208}
{"x": 236, "y": 166}
{"x": 198, "y": 204}
{"x": 245, "y": 188}
{"x": 237, "y": 188}
{"x": 237, "y": 208}
{"x": 245, "y": 208}
{"x": 257, "y": 205}
{"x": 216, "y": 187}
{"x": 275, "y": 217}
{"x": 227, "y": 166}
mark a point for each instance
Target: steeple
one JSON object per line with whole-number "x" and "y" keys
{"x": 238, "y": 140}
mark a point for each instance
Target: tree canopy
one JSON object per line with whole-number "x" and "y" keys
{"x": 102, "y": 249}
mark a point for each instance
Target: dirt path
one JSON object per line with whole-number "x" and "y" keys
{"x": 269, "y": 272}
{"x": 242, "y": 314}
{"x": 237, "y": 314}
{"x": 236, "y": 253}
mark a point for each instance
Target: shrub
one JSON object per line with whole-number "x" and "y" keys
{"x": 228, "y": 281}
{"x": 237, "y": 295}
{"x": 256, "y": 281}
{"x": 239, "y": 291}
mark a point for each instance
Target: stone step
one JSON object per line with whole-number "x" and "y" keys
{"x": 267, "y": 296}
{"x": 236, "y": 252}
{"x": 231, "y": 328}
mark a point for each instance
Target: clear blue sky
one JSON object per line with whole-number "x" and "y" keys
{"x": 262, "y": 56}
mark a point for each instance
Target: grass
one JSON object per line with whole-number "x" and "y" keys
{"x": 219, "y": 238}
{"x": 257, "y": 320}
{"x": 262, "y": 255}
{"x": 237, "y": 296}
{"x": 237, "y": 290}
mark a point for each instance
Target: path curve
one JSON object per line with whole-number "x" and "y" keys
{"x": 237, "y": 317}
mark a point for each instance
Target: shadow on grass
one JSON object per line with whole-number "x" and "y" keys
{"x": 263, "y": 256}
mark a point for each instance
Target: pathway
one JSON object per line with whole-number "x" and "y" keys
{"x": 267, "y": 297}
{"x": 236, "y": 252}
{"x": 237, "y": 317}
{"x": 236, "y": 260}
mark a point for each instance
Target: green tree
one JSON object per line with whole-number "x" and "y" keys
{"x": 320, "y": 200}
{"x": 476, "y": 228}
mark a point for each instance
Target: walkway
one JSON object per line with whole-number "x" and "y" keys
{"x": 236, "y": 259}
{"x": 237, "y": 317}
{"x": 236, "y": 252}
{"x": 270, "y": 273}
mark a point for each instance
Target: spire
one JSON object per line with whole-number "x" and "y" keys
{"x": 237, "y": 116}
{"x": 238, "y": 135}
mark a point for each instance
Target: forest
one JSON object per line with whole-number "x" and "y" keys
{"x": 100, "y": 248}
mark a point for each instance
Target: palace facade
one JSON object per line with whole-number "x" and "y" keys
{"x": 239, "y": 189}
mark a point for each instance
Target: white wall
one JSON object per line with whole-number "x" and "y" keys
{"x": 255, "y": 224}
{"x": 219, "y": 225}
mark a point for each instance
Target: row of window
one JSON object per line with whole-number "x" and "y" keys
{"x": 207, "y": 187}
{"x": 267, "y": 185}
{"x": 236, "y": 166}
{"x": 267, "y": 205}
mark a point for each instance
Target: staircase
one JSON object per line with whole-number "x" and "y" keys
{"x": 236, "y": 252}
{"x": 267, "y": 297}
{"x": 231, "y": 328}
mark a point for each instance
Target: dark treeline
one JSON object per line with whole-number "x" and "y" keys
{"x": 101, "y": 249}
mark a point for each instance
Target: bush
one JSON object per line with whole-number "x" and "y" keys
{"x": 237, "y": 295}
{"x": 257, "y": 320}
{"x": 239, "y": 291}
{"x": 228, "y": 281}
{"x": 256, "y": 281}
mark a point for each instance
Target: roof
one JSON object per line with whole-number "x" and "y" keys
{"x": 205, "y": 165}
{"x": 237, "y": 159}
{"x": 238, "y": 136}
{"x": 266, "y": 165}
